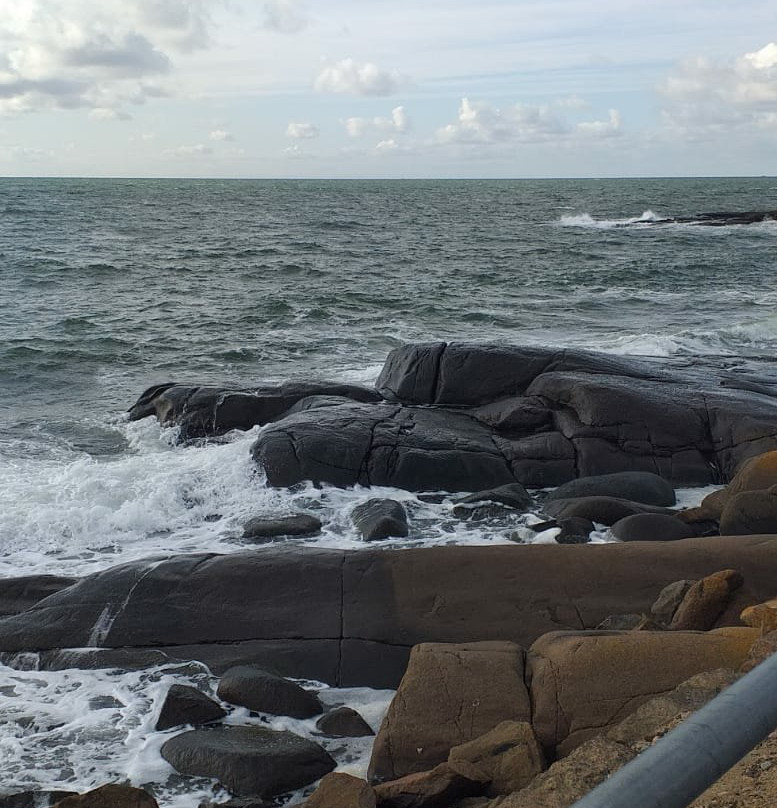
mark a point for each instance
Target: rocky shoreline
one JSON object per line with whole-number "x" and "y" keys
{"x": 555, "y": 644}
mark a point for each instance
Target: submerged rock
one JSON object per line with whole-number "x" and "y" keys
{"x": 187, "y": 705}
{"x": 343, "y": 722}
{"x": 249, "y": 761}
{"x": 379, "y": 519}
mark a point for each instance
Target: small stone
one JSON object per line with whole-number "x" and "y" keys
{"x": 575, "y": 530}
{"x": 669, "y": 598}
{"x": 705, "y": 601}
{"x": 513, "y": 495}
{"x": 379, "y": 519}
{"x": 260, "y": 529}
{"x": 343, "y": 722}
{"x": 763, "y": 616}
{"x": 339, "y": 790}
{"x": 187, "y": 705}
{"x": 443, "y": 785}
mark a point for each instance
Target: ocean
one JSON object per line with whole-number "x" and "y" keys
{"x": 110, "y": 286}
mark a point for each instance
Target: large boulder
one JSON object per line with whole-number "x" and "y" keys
{"x": 652, "y": 527}
{"x": 110, "y": 796}
{"x": 187, "y": 705}
{"x": 250, "y": 761}
{"x": 584, "y": 682}
{"x": 382, "y": 444}
{"x": 450, "y": 694}
{"x": 748, "y": 512}
{"x": 202, "y": 412}
{"x": 264, "y": 692}
{"x": 705, "y": 601}
{"x": 340, "y": 790}
{"x": 637, "y": 486}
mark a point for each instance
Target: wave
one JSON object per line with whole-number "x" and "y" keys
{"x": 586, "y": 220}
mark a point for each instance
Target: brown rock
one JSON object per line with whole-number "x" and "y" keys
{"x": 705, "y": 601}
{"x": 646, "y": 722}
{"x": 760, "y": 650}
{"x": 567, "y": 780}
{"x": 509, "y": 756}
{"x": 110, "y": 796}
{"x": 338, "y": 790}
{"x": 669, "y": 598}
{"x": 708, "y": 511}
{"x": 755, "y": 474}
{"x": 749, "y": 512}
{"x": 437, "y": 788}
{"x": 450, "y": 694}
{"x": 582, "y": 683}
{"x": 762, "y": 616}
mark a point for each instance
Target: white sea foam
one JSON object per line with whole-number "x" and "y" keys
{"x": 79, "y": 729}
{"x": 586, "y": 220}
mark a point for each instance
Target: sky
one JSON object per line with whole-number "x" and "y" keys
{"x": 388, "y": 88}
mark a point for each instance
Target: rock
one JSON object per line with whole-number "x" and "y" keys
{"x": 483, "y": 512}
{"x": 636, "y": 486}
{"x": 652, "y": 527}
{"x": 513, "y": 495}
{"x": 568, "y": 780}
{"x": 508, "y": 756}
{"x": 709, "y": 510}
{"x": 298, "y": 524}
{"x": 639, "y": 728}
{"x": 575, "y": 530}
{"x": 343, "y": 722}
{"x": 749, "y": 512}
{"x": 604, "y": 510}
{"x": 339, "y": 790}
{"x": 379, "y": 519}
{"x": 450, "y": 694}
{"x": 584, "y": 682}
{"x": 363, "y": 609}
{"x": 202, "y": 412}
{"x": 669, "y": 598}
{"x": 249, "y": 761}
{"x": 382, "y": 444}
{"x": 19, "y": 594}
{"x": 264, "y": 692}
{"x": 251, "y": 802}
{"x": 187, "y": 705}
{"x": 755, "y": 474}
{"x": 705, "y": 601}
{"x": 34, "y": 799}
{"x": 467, "y": 375}
{"x": 438, "y": 788}
{"x": 518, "y": 415}
{"x": 762, "y": 616}
{"x": 620, "y": 622}
{"x": 761, "y": 649}
{"x": 110, "y": 796}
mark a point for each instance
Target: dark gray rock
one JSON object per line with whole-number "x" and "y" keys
{"x": 379, "y": 519}
{"x": 604, "y": 510}
{"x": 382, "y": 444}
{"x": 264, "y": 692}
{"x": 19, "y": 594}
{"x": 669, "y": 598}
{"x": 187, "y": 705}
{"x": 637, "y": 486}
{"x": 34, "y": 799}
{"x": 249, "y": 761}
{"x": 575, "y": 530}
{"x": 652, "y": 527}
{"x": 343, "y": 722}
{"x": 513, "y": 495}
{"x": 467, "y": 374}
{"x": 203, "y": 412}
{"x": 263, "y": 529}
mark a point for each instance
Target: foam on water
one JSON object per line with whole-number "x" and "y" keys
{"x": 586, "y": 220}
{"x": 78, "y": 729}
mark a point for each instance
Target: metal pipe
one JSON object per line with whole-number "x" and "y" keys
{"x": 690, "y": 758}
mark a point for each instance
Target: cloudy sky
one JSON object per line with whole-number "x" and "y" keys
{"x": 388, "y": 88}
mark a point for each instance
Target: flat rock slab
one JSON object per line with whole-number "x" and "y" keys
{"x": 249, "y": 761}
{"x": 364, "y": 610}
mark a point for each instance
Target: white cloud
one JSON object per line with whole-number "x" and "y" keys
{"x": 284, "y": 16}
{"x": 65, "y": 54}
{"x": 346, "y": 76}
{"x": 197, "y": 150}
{"x": 398, "y": 122}
{"x": 220, "y": 135}
{"x": 704, "y": 97}
{"x": 387, "y": 146}
{"x": 301, "y": 130}
{"x": 108, "y": 114}
{"x": 608, "y": 128}
{"x": 484, "y": 123}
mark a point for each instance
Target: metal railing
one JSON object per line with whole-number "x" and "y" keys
{"x": 690, "y": 758}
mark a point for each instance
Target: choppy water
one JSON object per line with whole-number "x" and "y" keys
{"x": 109, "y": 286}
